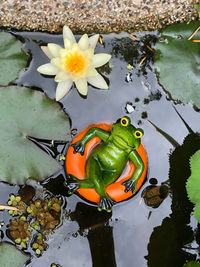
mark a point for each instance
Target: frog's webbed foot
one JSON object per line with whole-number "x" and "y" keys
{"x": 78, "y": 148}
{"x": 129, "y": 186}
{"x": 106, "y": 203}
{"x": 72, "y": 184}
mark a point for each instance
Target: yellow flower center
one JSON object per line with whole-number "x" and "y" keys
{"x": 75, "y": 62}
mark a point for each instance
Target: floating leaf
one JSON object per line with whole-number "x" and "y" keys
{"x": 197, "y": 211}
{"x": 28, "y": 113}
{"x": 193, "y": 183}
{"x": 62, "y": 157}
{"x": 129, "y": 67}
{"x": 12, "y": 58}
{"x": 192, "y": 264}
{"x": 11, "y": 256}
{"x": 178, "y": 62}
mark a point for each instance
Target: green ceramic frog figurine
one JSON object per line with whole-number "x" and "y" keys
{"x": 108, "y": 159}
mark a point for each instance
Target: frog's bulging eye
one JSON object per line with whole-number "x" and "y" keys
{"x": 138, "y": 134}
{"x": 124, "y": 121}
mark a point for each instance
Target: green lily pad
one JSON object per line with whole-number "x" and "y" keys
{"x": 192, "y": 264}
{"x": 28, "y": 113}
{"x": 193, "y": 183}
{"x": 177, "y": 62}
{"x": 11, "y": 256}
{"x": 12, "y": 58}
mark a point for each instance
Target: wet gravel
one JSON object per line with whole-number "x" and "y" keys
{"x": 93, "y": 15}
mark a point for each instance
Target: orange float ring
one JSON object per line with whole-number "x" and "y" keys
{"x": 75, "y": 165}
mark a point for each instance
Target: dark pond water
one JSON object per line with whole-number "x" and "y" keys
{"x": 133, "y": 234}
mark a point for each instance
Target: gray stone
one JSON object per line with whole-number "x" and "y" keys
{"x": 95, "y": 16}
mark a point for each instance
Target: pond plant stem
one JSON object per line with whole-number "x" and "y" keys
{"x": 164, "y": 134}
{"x": 185, "y": 123}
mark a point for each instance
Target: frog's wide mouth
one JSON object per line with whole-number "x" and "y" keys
{"x": 120, "y": 141}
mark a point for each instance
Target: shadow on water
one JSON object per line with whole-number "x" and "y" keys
{"x": 100, "y": 234}
{"x": 171, "y": 243}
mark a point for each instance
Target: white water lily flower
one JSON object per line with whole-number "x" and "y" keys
{"x": 75, "y": 62}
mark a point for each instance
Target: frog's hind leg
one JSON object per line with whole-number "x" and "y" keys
{"x": 95, "y": 173}
{"x": 74, "y": 183}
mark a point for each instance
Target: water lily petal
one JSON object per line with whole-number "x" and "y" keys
{"x": 100, "y": 59}
{"x": 98, "y": 81}
{"x": 67, "y": 43}
{"x": 48, "y": 69}
{"x": 54, "y": 49}
{"x": 75, "y": 47}
{"x": 67, "y": 33}
{"x": 61, "y": 76}
{"x": 84, "y": 42}
{"x": 56, "y": 62}
{"x": 46, "y": 51}
{"x": 63, "y": 52}
{"x": 62, "y": 89}
{"x": 82, "y": 87}
{"x": 91, "y": 72}
{"x": 89, "y": 53}
{"x": 93, "y": 40}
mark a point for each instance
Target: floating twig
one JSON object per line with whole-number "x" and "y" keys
{"x": 142, "y": 61}
{"x": 193, "y": 34}
{"x": 134, "y": 37}
{"x": 2, "y": 207}
{"x": 101, "y": 39}
{"x": 149, "y": 48}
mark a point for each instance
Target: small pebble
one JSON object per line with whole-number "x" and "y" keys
{"x": 144, "y": 115}
{"x": 129, "y": 107}
{"x": 128, "y": 77}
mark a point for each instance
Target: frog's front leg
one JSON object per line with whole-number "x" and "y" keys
{"x": 79, "y": 147}
{"x": 130, "y": 184}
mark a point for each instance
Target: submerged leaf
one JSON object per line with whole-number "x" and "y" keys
{"x": 27, "y": 113}
{"x": 12, "y": 58}
{"x": 178, "y": 62}
{"x": 193, "y": 183}
{"x": 154, "y": 195}
{"x": 11, "y": 256}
